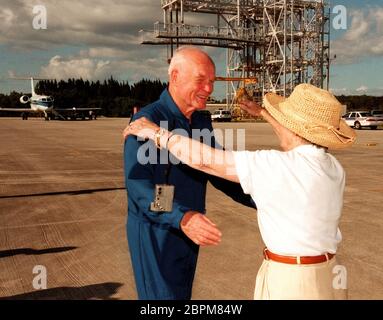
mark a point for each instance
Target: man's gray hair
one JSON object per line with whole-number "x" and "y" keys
{"x": 179, "y": 57}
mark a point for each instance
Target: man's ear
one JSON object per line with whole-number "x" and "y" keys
{"x": 174, "y": 76}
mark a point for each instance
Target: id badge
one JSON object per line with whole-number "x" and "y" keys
{"x": 163, "y": 198}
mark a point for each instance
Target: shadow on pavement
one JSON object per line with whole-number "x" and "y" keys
{"x": 29, "y": 251}
{"x": 72, "y": 193}
{"x": 103, "y": 291}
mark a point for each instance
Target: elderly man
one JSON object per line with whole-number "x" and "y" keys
{"x": 164, "y": 242}
{"x": 298, "y": 191}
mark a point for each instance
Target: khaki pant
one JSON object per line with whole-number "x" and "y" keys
{"x": 280, "y": 281}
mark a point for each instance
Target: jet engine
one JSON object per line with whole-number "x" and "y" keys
{"x": 24, "y": 99}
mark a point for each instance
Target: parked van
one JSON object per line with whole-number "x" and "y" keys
{"x": 221, "y": 115}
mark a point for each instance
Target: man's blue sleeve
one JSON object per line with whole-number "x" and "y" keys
{"x": 140, "y": 187}
{"x": 230, "y": 188}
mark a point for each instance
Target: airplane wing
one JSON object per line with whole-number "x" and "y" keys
{"x": 75, "y": 113}
{"x": 18, "y": 109}
{"x": 77, "y": 109}
{"x": 87, "y": 109}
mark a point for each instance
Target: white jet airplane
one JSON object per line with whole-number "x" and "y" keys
{"x": 39, "y": 103}
{"x": 44, "y": 104}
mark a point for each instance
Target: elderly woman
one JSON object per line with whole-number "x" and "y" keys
{"x": 298, "y": 191}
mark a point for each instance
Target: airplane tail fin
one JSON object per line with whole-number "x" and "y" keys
{"x": 32, "y": 87}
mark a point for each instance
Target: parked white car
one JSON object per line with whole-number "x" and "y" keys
{"x": 221, "y": 115}
{"x": 360, "y": 119}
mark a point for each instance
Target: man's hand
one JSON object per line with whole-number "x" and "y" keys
{"x": 251, "y": 107}
{"x": 200, "y": 229}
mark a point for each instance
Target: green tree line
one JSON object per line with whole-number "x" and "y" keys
{"x": 362, "y": 102}
{"x": 115, "y": 98}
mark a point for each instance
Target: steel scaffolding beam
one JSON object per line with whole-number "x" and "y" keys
{"x": 280, "y": 42}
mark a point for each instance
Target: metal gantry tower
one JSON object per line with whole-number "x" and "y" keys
{"x": 281, "y": 43}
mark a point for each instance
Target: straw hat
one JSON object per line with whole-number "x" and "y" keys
{"x": 313, "y": 114}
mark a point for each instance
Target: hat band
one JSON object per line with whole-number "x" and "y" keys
{"x": 343, "y": 138}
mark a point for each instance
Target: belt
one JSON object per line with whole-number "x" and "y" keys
{"x": 296, "y": 260}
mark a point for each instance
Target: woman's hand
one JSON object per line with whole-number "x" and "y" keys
{"x": 142, "y": 128}
{"x": 251, "y": 107}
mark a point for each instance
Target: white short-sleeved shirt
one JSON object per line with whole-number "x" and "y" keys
{"x": 299, "y": 196}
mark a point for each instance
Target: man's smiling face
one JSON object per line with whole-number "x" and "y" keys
{"x": 195, "y": 83}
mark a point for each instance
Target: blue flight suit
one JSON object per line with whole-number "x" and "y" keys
{"x": 164, "y": 259}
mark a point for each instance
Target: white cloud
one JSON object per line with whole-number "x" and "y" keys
{"x": 339, "y": 91}
{"x": 105, "y": 32}
{"x": 7, "y": 17}
{"x": 95, "y": 23}
{"x": 11, "y": 74}
{"x": 98, "y": 52}
{"x": 362, "y": 89}
{"x": 132, "y": 65}
{"x": 91, "y": 64}
{"x": 363, "y": 39}
{"x": 88, "y": 22}
{"x": 360, "y": 27}
{"x": 60, "y": 68}
{"x": 375, "y": 91}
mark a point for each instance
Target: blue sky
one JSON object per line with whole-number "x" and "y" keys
{"x": 95, "y": 39}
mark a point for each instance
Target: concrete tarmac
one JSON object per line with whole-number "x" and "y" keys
{"x": 63, "y": 214}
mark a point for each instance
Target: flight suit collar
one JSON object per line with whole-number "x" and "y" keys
{"x": 167, "y": 100}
